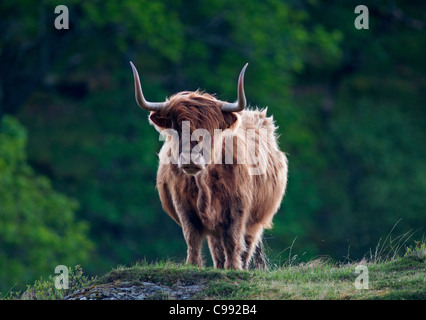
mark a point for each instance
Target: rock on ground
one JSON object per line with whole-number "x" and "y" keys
{"x": 129, "y": 291}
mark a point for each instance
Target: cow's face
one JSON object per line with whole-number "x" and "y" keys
{"x": 196, "y": 121}
{"x": 192, "y": 122}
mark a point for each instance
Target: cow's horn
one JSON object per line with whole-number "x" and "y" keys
{"x": 241, "y": 103}
{"x": 140, "y": 99}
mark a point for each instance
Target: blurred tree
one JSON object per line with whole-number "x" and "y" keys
{"x": 38, "y": 230}
{"x": 370, "y": 119}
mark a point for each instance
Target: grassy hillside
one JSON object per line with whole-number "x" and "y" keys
{"x": 396, "y": 278}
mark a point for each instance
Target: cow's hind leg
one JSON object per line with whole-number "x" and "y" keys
{"x": 233, "y": 240}
{"x": 217, "y": 251}
{"x": 253, "y": 242}
{"x": 259, "y": 260}
{"x": 194, "y": 244}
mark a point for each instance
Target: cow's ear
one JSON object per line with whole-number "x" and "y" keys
{"x": 232, "y": 120}
{"x": 159, "y": 122}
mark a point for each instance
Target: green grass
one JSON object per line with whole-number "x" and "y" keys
{"x": 395, "y": 278}
{"x": 402, "y": 278}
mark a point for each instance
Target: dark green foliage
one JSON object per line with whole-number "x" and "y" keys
{"x": 46, "y": 289}
{"x": 38, "y": 230}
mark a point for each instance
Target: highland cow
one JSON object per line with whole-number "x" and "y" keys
{"x": 226, "y": 188}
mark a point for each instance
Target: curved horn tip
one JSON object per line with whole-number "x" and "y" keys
{"x": 241, "y": 103}
{"x": 133, "y": 67}
{"x": 243, "y": 70}
{"x": 140, "y": 99}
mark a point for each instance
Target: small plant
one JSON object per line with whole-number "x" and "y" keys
{"x": 46, "y": 290}
{"x": 418, "y": 252}
{"x": 390, "y": 248}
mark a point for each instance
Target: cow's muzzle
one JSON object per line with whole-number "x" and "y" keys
{"x": 191, "y": 163}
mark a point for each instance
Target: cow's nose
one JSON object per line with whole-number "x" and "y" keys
{"x": 191, "y": 164}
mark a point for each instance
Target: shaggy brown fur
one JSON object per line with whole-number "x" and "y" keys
{"x": 223, "y": 202}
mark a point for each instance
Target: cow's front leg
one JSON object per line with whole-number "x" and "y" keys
{"x": 194, "y": 241}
